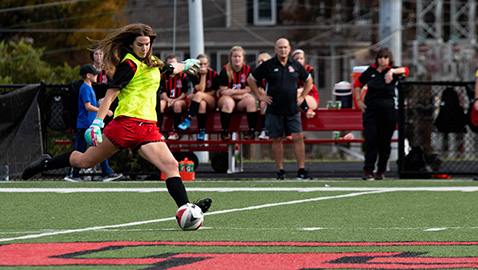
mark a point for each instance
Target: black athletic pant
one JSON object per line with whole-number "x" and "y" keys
{"x": 378, "y": 130}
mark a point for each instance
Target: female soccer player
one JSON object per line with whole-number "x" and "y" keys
{"x": 136, "y": 77}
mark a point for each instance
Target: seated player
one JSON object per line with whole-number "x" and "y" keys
{"x": 174, "y": 89}
{"x": 203, "y": 99}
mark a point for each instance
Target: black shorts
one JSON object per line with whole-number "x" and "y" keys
{"x": 277, "y": 124}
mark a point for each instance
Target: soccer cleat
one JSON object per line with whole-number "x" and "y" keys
{"x": 112, "y": 177}
{"x": 225, "y": 136}
{"x": 368, "y": 176}
{"x": 280, "y": 174}
{"x": 162, "y": 137}
{"x": 72, "y": 179}
{"x": 249, "y": 135}
{"x": 310, "y": 113}
{"x": 204, "y": 204}
{"x": 201, "y": 135}
{"x": 35, "y": 167}
{"x": 379, "y": 176}
{"x": 263, "y": 136}
{"x": 302, "y": 174}
{"x": 288, "y": 137}
{"x": 173, "y": 136}
{"x": 185, "y": 124}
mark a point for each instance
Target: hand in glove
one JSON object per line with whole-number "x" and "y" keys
{"x": 191, "y": 66}
{"x": 93, "y": 134}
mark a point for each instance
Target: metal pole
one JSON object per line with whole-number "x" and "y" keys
{"x": 390, "y": 29}
{"x": 174, "y": 28}
{"x": 196, "y": 32}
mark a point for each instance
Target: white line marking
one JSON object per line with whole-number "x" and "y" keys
{"x": 435, "y": 229}
{"x": 235, "y": 189}
{"x": 172, "y": 218}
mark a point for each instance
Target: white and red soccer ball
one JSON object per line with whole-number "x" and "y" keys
{"x": 189, "y": 217}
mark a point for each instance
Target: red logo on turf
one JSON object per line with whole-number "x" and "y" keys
{"x": 53, "y": 254}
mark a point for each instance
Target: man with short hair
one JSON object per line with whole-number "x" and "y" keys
{"x": 282, "y": 112}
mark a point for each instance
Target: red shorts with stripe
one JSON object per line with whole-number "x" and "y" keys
{"x": 128, "y": 132}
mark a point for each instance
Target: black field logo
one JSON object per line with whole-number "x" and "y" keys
{"x": 92, "y": 254}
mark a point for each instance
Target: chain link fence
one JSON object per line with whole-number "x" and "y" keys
{"x": 436, "y": 136}
{"x": 426, "y": 148}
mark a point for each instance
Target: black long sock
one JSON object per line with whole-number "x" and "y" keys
{"x": 177, "y": 190}
{"x": 252, "y": 120}
{"x": 202, "y": 121}
{"x": 58, "y": 162}
{"x": 225, "y": 120}
{"x": 263, "y": 120}
{"x": 177, "y": 120}
{"x": 193, "y": 109}
{"x": 304, "y": 106}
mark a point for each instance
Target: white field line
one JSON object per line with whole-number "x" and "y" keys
{"x": 235, "y": 189}
{"x": 172, "y": 218}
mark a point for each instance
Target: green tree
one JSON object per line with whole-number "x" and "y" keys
{"x": 21, "y": 63}
{"x": 61, "y": 27}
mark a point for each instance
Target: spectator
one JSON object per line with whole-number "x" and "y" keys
{"x": 261, "y": 58}
{"x": 96, "y": 56}
{"x": 135, "y": 82}
{"x": 204, "y": 97}
{"x": 234, "y": 93}
{"x": 87, "y": 109}
{"x": 282, "y": 112}
{"x": 174, "y": 89}
{"x": 311, "y": 101}
{"x": 379, "y": 111}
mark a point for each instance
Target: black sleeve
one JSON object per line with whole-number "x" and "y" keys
{"x": 223, "y": 80}
{"x": 185, "y": 84}
{"x": 215, "y": 83}
{"x": 167, "y": 69}
{"x": 303, "y": 74}
{"x": 193, "y": 79}
{"x": 124, "y": 73}
{"x": 259, "y": 74}
{"x": 162, "y": 86}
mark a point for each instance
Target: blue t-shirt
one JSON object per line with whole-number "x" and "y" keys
{"x": 85, "y": 118}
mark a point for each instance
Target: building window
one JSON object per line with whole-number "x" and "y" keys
{"x": 265, "y": 12}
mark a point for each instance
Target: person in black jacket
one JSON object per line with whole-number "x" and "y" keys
{"x": 379, "y": 110}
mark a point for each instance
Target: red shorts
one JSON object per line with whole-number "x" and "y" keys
{"x": 128, "y": 132}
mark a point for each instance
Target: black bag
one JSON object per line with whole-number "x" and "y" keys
{"x": 415, "y": 164}
{"x": 451, "y": 117}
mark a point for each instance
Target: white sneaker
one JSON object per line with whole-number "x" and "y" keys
{"x": 173, "y": 136}
{"x": 72, "y": 179}
{"x": 263, "y": 136}
{"x": 112, "y": 177}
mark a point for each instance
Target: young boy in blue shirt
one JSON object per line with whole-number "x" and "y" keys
{"x": 87, "y": 109}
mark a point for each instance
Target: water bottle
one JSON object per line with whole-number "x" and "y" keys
{"x": 4, "y": 172}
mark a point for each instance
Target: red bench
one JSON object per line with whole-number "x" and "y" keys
{"x": 324, "y": 120}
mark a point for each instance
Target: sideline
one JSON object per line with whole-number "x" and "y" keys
{"x": 31, "y": 236}
{"x": 235, "y": 189}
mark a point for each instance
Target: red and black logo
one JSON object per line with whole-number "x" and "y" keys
{"x": 90, "y": 253}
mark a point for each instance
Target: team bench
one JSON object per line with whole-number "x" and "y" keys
{"x": 324, "y": 120}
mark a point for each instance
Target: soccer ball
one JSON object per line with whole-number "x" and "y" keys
{"x": 189, "y": 217}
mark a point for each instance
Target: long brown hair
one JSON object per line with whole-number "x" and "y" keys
{"x": 116, "y": 45}
{"x": 229, "y": 70}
